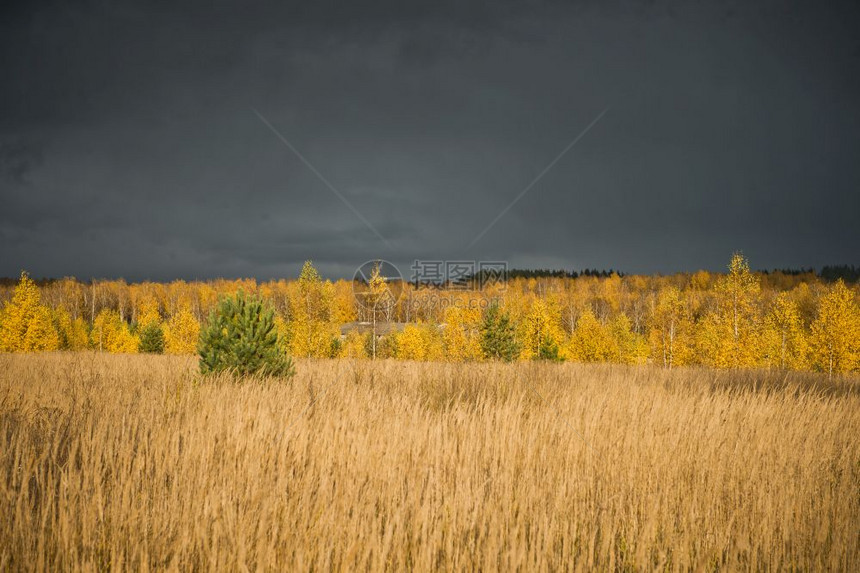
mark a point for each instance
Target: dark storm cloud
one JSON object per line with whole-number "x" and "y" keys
{"x": 18, "y": 158}
{"x": 129, "y": 145}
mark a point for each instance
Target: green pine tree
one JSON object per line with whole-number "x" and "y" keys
{"x": 152, "y": 339}
{"x": 241, "y": 337}
{"x": 498, "y": 336}
{"x": 548, "y": 350}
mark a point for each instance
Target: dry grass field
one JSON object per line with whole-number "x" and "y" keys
{"x": 131, "y": 463}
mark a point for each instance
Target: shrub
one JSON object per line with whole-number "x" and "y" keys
{"x": 152, "y": 339}
{"x": 240, "y": 337}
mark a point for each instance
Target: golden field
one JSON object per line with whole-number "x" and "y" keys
{"x": 112, "y": 462}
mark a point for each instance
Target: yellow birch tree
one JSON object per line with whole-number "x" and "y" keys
{"x": 835, "y": 332}
{"x": 312, "y": 333}
{"x": 73, "y": 332}
{"x": 111, "y": 334}
{"x": 729, "y": 336}
{"x": 354, "y": 345}
{"x": 670, "y": 334}
{"x": 591, "y": 341}
{"x": 541, "y": 333}
{"x": 419, "y": 342}
{"x": 25, "y": 323}
{"x": 181, "y": 332}
{"x": 629, "y": 346}
{"x": 462, "y": 334}
{"x": 783, "y": 339}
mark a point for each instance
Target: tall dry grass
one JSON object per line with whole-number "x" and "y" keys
{"x": 112, "y": 462}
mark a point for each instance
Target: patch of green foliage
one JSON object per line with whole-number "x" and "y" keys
{"x": 240, "y": 337}
{"x": 152, "y": 339}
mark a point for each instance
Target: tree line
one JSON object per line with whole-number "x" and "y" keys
{"x": 737, "y": 319}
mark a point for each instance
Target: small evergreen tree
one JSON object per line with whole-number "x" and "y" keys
{"x": 241, "y": 337}
{"x": 548, "y": 350}
{"x": 498, "y": 337}
{"x": 152, "y": 338}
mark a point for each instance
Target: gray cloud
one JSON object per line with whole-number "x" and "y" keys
{"x": 18, "y": 157}
{"x": 129, "y": 147}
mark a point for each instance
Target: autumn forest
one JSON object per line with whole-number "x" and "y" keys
{"x": 735, "y": 319}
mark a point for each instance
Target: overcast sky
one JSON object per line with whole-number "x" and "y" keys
{"x": 144, "y": 140}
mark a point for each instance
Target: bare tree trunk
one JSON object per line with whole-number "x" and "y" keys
{"x": 374, "y": 332}
{"x": 93, "y": 311}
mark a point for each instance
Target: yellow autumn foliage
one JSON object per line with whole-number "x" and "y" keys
{"x": 730, "y": 336}
{"x": 738, "y": 319}
{"x": 591, "y": 341}
{"x": 181, "y": 333}
{"x": 311, "y": 330}
{"x": 148, "y": 313}
{"x": 671, "y": 338}
{"x": 420, "y": 342}
{"x": 111, "y": 334}
{"x": 461, "y": 334}
{"x": 835, "y": 333}
{"x": 783, "y": 341}
{"x": 629, "y": 347}
{"x": 73, "y": 332}
{"x": 540, "y": 332}
{"x": 25, "y": 323}
{"x": 354, "y": 345}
